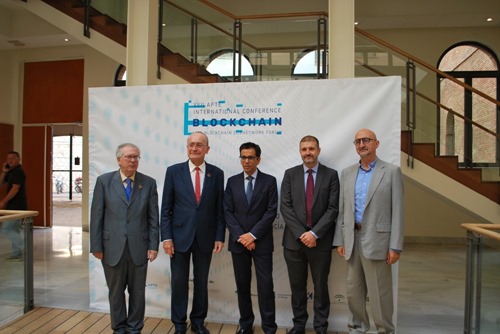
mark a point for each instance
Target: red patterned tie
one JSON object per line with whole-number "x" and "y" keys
{"x": 309, "y": 198}
{"x": 197, "y": 191}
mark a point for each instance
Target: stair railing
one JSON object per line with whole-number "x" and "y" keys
{"x": 422, "y": 113}
{"x": 240, "y": 46}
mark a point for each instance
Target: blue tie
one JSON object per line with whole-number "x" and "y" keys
{"x": 128, "y": 188}
{"x": 249, "y": 190}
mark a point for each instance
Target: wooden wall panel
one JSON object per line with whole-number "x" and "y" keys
{"x": 6, "y": 145}
{"x": 53, "y": 92}
{"x": 37, "y": 163}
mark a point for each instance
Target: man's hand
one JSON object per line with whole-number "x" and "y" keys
{"x": 4, "y": 167}
{"x": 308, "y": 239}
{"x": 246, "y": 239}
{"x": 218, "y": 246}
{"x": 341, "y": 250}
{"x": 152, "y": 254}
{"x": 250, "y": 247}
{"x": 168, "y": 247}
{"x": 99, "y": 255}
{"x": 392, "y": 257}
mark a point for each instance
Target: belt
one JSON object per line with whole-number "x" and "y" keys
{"x": 358, "y": 226}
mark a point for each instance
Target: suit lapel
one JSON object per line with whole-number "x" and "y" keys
{"x": 208, "y": 180}
{"x": 137, "y": 187}
{"x": 118, "y": 186}
{"x": 186, "y": 178}
{"x": 351, "y": 184}
{"x": 319, "y": 180}
{"x": 377, "y": 176}
{"x": 300, "y": 186}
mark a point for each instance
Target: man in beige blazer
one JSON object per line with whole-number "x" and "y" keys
{"x": 369, "y": 233}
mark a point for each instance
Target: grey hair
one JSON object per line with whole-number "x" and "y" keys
{"x": 119, "y": 152}
{"x": 200, "y": 132}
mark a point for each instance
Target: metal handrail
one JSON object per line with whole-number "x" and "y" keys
{"x": 26, "y": 218}
{"x": 6, "y": 215}
{"x": 484, "y": 229}
{"x": 426, "y": 65}
{"x": 436, "y": 103}
{"x": 476, "y": 234}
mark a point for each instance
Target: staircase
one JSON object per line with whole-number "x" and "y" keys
{"x": 448, "y": 165}
{"x": 116, "y": 31}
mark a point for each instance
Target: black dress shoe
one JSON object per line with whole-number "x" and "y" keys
{"x": 244, "y": 331}
{"x": 321, "y": 331}
{"x": 296, "y": 331}
{"x": 199, "y": 329}
{"x": 180, "y": 332}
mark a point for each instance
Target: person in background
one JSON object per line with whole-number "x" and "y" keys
{"x": 250, "y": 208}
{"x": 369, "y": 233}
{"x": 124, "y": 235}
{"x": 192, "y": 226}
{"x": 309, "y": 206}
{"x": 13, "y": 175}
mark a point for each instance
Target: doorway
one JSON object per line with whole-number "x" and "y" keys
{"x": 67, "y": 181}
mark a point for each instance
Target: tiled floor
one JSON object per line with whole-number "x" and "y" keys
{"x": 431, "y": 278}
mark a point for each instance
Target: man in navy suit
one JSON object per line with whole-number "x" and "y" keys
{"x": 124, "y": 236}
{"x": 250, "y": 207}
{"x": 192, "y": 225}
{"x": 308, "y": 235}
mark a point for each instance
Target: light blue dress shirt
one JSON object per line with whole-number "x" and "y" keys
{"x": 361, "y": 190}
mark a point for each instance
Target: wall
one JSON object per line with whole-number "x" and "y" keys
{"x": 99, "y": 72}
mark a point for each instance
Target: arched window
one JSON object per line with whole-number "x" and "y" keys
{"x": 477, "y": 66}
{"x": 221, "y": 63}
{"x": 306, "y": 65}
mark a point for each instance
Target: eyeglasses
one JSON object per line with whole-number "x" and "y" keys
{"x": 132, "y": 157}
{"x": 364, "y": 140}
{"x": 197, "y": 145}
{"x": 249, "y": 158}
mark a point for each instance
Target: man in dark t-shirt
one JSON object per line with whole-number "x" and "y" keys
{"x": 15, "y": 199}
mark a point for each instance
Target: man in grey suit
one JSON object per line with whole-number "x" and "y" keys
{"x": 309, "y": 206}
{"x": 369, "y": 233}
{"x": 124, "y": 236}
{"x": 192, "y": 226}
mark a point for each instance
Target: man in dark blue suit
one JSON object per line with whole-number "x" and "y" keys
{"x": 250, "y": 207}
{"x": 124, "y": 236}
{"x": 192, "y": 224}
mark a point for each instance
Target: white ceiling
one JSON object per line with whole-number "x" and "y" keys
{"x": 22, "y": 29}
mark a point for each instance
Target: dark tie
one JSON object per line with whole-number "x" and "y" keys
{"x": 309, "y": 198}
{"x": 249, "y": 190}
{"x": 197, "y": 189}
{"x": 128, "y": 188}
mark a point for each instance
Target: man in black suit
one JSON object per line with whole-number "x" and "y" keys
{"x": 124, "y": 236}
{"x": 192, "y": 224}
{"x": 250, "y": 207}
{"x": 309, "y": 206}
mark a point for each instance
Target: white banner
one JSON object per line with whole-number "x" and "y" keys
{"x": 275, "y": 115}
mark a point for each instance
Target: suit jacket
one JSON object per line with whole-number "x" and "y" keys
{"x": 114, "y": 220}
{"x": 383, "y": 216}
{"x": 182, "y": 219}
{"x": 325, "y": 206}
{"x": 256, "y": 217}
